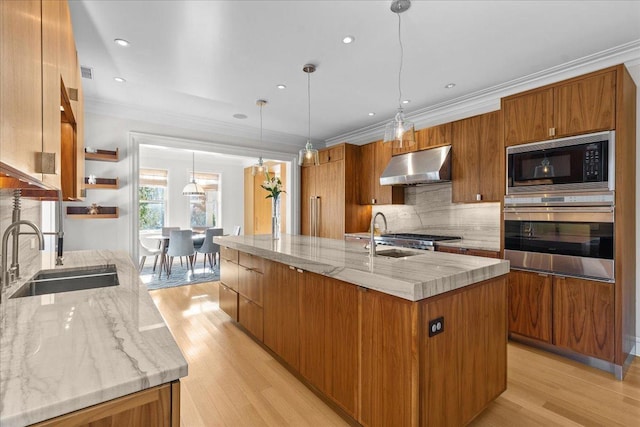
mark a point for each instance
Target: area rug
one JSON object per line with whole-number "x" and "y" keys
{"x": 180, "y": 275}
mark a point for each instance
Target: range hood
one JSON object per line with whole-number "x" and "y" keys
{"x": 419, "y": 167}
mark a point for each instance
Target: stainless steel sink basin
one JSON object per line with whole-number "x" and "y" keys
{"x": 65, "y": 280}
{"x": 396, "y": 253}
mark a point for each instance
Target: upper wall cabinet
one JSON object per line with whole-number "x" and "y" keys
{"x": 477, "y": 159}
{"x": 581, "y": 105}
{"x": 374, "y": 158}
{"x": 428, "y": 138}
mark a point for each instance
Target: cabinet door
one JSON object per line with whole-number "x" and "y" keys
{"x": 405, "y": 149}
{"x": 307, "y": 192}
{"x": 331, "y": 154}
{"x": 250, "y": 316}
{"x": 21, "y": 85}
{"x": 387, "y": 369}
{"x": 228, "y": 300}
{"x": 528, "y": 117}
{"x": 281, "y": 319}
{"x": 434, "y": 136}
{"x": 465, "y": 160}
{"x": 586, "y": 105}
{"x": 384, "y": 194}
{"x": 583, "y": 316}
{"x": 313, "y": 308}
{"x": 367, "y": 174}
{"x": 491, "y": 168}
{"x": 530, "y": 304}
{"x": 229, "y": 273}
{"x": 331, "y": 204}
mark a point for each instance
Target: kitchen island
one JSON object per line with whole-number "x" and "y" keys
{"x": 416, "y": 339}
{"x": 64, "y": 352}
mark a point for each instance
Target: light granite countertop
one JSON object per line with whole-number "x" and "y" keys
{"x": 413, "y": 278}
{"x": 66, "y": 351}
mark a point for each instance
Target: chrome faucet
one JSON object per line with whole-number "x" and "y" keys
{"x": 372, "y": 241}
{"x": 10, "y": 274}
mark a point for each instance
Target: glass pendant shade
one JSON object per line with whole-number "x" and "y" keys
{"x": 308, "y": 156}
{"x": 193, "y": 188}
{"x": 259, "y": 168}
{"x": 400, "y": 132}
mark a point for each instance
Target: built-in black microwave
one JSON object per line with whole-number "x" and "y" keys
{"x": 578, "y": 163}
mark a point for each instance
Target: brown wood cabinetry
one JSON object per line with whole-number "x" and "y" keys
{"x": 257, "y": 208}
{"x": 530, "y": 305}
{"x": 158, "y": 406}
{"x": 466, "y": 251}
{"x": 229, "y": 279}
{"x": 374, "y": 158}
{"x": 281, "y": 318}
{"x": 477, "y": 159}
{"x": 250, "y": 289}
{"x": 581, "y": 105}
{"x": 434, "y": 136}
{"x": 329, "y": 192}
{"x": 583, "y": 316}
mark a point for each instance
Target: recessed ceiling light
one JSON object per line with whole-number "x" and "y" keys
{"x": 372, "y": 113}
{"x": 348, "y": 39}
{"x": 406, "y": 101}
{"x": 281, "y": 86}
{"x": 119, "y": 79}
{"x": 121, "y": 42}
{"x": 450, "y": 85}
{"x": 240, "y": 116}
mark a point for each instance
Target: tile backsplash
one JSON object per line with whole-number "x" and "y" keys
{"x": 29, "y": 258}
{"x": 428, "y": 208}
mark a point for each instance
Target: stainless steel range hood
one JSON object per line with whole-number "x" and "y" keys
{"x": 420, "y": 167}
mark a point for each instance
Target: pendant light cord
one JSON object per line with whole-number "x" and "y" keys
{"x": 401, "y": 61}
{"x": 261, "y": 105}
{"x": 309, "y": 109}
{"x": 193, "y": 166}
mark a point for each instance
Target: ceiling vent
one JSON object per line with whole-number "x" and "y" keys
{"x": 87, "y": 72}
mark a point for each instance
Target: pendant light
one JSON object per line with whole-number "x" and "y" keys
{"x": 193, "y": 188}
{"x": 259, "y": 168}
{"x": 308, "y": 156}
{"x": 400, "y": 132}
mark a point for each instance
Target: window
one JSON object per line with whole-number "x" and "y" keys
{"x": 205, "y": 211}
{"x": 152, "y": 191}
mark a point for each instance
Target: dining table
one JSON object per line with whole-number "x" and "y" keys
{"x": 163, "y": 244}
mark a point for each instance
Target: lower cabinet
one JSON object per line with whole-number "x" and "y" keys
{"x": 229, "y": 278}
{"x": 570, "y": 313}
{"x": 250, "y": 286}
{"x": 228, "y": 300}
{"x": 250, "y": 316}
{"x": 158, "y": 406}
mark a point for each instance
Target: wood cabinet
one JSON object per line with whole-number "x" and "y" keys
{"x": 158, "y": 406}
{"x": 466, "y": 251}
{"x": 434, "y": 136}
{"x": 328, "y": 338}
{"x": 257, "y": 208}
{"x": 229, "y": 279}
{"x": 374, "y": 158}
{"x": 530, "y": 311}
{"x": 583, "y": 316}
{"x": 477, "y": 159}
{"x": 281, "y": 318}
{"x": 250, "y": 289}
{"x": 570, "y": 313}
{"x": 581, "y": 105}
{"x": 329, "y": 193}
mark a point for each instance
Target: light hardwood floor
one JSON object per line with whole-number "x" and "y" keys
{"x": 234, "y": 382}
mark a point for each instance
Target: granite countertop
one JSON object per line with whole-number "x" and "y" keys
{"x": 66, "y": 351}
{"x": 485, "y": 245}
{"x": 423, "y": 275}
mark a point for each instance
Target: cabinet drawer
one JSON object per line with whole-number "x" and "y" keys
{"x": 228, "y": 300}
{"x": 250, "y": 285}
{"x": 229, "y": 273}
{"x": 229, "y": 254}
{"x": 250, "y": 316}
{"x": 251, "y": 261}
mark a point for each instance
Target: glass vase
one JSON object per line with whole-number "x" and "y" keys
{"x": 275, "y": 218}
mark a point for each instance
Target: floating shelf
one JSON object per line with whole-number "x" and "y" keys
{"x": 102, "y": 155}
{"x": 80, "y": 212}
{"x": 102, "y": 184}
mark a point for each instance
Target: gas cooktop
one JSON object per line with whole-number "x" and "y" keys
{"x": 413, "y": 240}
{"x": 415, "y": 236}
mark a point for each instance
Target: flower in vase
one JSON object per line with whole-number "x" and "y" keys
{"x": 273, "y": 185}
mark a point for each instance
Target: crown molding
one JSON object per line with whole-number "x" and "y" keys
{"x": 218, "y": 131}
{"x": 489, "y": 99}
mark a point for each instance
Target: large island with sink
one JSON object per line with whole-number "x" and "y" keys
{"x": 417, "y": 338}
{"x": 102, "y": 354}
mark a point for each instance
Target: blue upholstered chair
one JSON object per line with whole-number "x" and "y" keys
{"x": 180, "y": 244}
{"x": 208, "y": 248}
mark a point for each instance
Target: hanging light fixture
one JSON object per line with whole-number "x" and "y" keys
{"x": 308, "y": 156}
{"x": 193, "y": 188}
{"x": 259, "y": 168}
{"x": 400, "y": 132}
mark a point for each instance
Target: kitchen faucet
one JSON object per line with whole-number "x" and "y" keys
{"x": 372, "y": 241}
{"x": 10, "y": 274}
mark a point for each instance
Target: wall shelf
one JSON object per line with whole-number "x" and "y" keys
{"x": 80, "y": 212}
{"x": 103, "y": 155}
{"x": 102, "y": 184}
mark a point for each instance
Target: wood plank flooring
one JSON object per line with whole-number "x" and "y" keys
{"x": 234, "y": 382}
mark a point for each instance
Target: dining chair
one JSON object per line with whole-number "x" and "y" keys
{"x": 144, "y": 252}
{"x": 181, "y": 245}
{"x": 208, "y": 248}
{"x": 236, "y": 230}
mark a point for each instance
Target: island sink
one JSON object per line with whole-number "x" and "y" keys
{"x": 396, "y": 253}
{"x": 65, "y": 280}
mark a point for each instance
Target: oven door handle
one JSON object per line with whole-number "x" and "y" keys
{"x": 561, "y": 209}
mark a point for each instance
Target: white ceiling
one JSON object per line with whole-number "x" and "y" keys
{"x": 208, "y": 60}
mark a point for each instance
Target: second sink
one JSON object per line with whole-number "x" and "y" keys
{"x": 396, "y": 253}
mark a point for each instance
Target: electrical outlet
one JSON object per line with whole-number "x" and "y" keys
{"x": 33, "y": 243}
{"x": 436, "y": 326}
